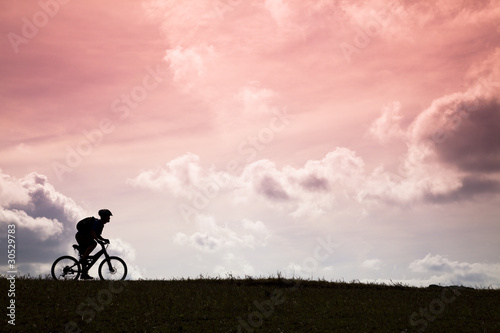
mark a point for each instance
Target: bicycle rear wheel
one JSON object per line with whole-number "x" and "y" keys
{"x": 66, "y": 268}
{"x": 117, "y": 272}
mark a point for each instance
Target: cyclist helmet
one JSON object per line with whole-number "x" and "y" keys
{"x": 105, "y": 212}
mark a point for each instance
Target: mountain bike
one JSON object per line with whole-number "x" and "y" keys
{"x": 69, "y": 268}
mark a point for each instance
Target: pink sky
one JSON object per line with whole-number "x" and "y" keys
{"x": 241, "y": 135}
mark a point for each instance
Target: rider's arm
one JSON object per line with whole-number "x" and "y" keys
{"x": 98, "y": 238}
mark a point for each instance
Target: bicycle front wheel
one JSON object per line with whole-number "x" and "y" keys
{"x": 113, "y": 268}
{"x": 66, "y": 268}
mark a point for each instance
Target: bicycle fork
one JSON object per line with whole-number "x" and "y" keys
{"x": 108, "y": 262}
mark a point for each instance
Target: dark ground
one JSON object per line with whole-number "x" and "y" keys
{"x": 233, "y": 305}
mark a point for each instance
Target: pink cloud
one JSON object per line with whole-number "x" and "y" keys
{"x": 189, "y": 65}
{"x": 387, "y": 126}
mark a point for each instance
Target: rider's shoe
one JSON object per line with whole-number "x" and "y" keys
{"x": 83, "y": 263}
{"x": 85, "y": 275}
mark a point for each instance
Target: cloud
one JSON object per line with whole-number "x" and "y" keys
{"x": 45, "y": 228}
{"x": 387, "y": 126}
{"x": 313, "y": 183}
{"x": 453, "y": 272}
{"x": 45, "y": 221}
{"x": 234, "y": 265}
{"x": 255, "y": 100}
{"x": 178, "y": 176}
{"x": 337, "y": 182}
{"x": 461, "y": 130}
{"x": 34, "y": 204}
{"x": 125, "y": 251}
{"x": 212, "y": 237}
{"x": 271, "y": 189}
{"x": 24, "y": 148}
{"x": 256, "y": 227}
{"x": 472, "y": 145}
{"x": 183, "y": 177}
{"x": 189, "y": 64}
{"x": 452, "y": 152}
{"x": 455, "y": 140}
{"x": 310, "y": 190}
{"x": 470, "y": 187}
{"x": 12, "y": 191}
{"x": 374, "y": 264}
{"x": 463, "y": 114}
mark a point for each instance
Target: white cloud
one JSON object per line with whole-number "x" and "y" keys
{"x": 212, "y": 237}
{"x": 255, "y": 100}
{"x": 374, "y": 264}
{"x": 234, "y": 265}
{"x": 34, "y": 204}
{"x": 45, "y": 228}
{"x": 182, "y": 177}
{"x": 446, "y": 271}
{"x": 179, "y": 176}
{"x": 24, "y": 148}
{"x": 256, "y": 226}
{"x": 125, "y": 251}
{"x": 337, "y": 182}
{"x": 316, "y": 187}
{"x": 45, "y": 220}
{"x": 12, "y": 191}
{"x": 387, "y": 126}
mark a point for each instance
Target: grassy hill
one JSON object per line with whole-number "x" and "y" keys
{"x": 249, "y": 305}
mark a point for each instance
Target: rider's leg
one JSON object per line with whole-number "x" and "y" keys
{"x": 83, "y": 260}
{"x": 87, "y": 245}
{"x": 89, "y": 250}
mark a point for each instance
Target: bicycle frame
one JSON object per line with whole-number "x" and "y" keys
{"x": 91, "y": 260}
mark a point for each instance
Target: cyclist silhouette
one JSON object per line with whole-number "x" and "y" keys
{"x": 87, "y": 238}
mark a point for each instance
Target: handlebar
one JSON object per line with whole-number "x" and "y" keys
{"x": 103, "y": 244}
